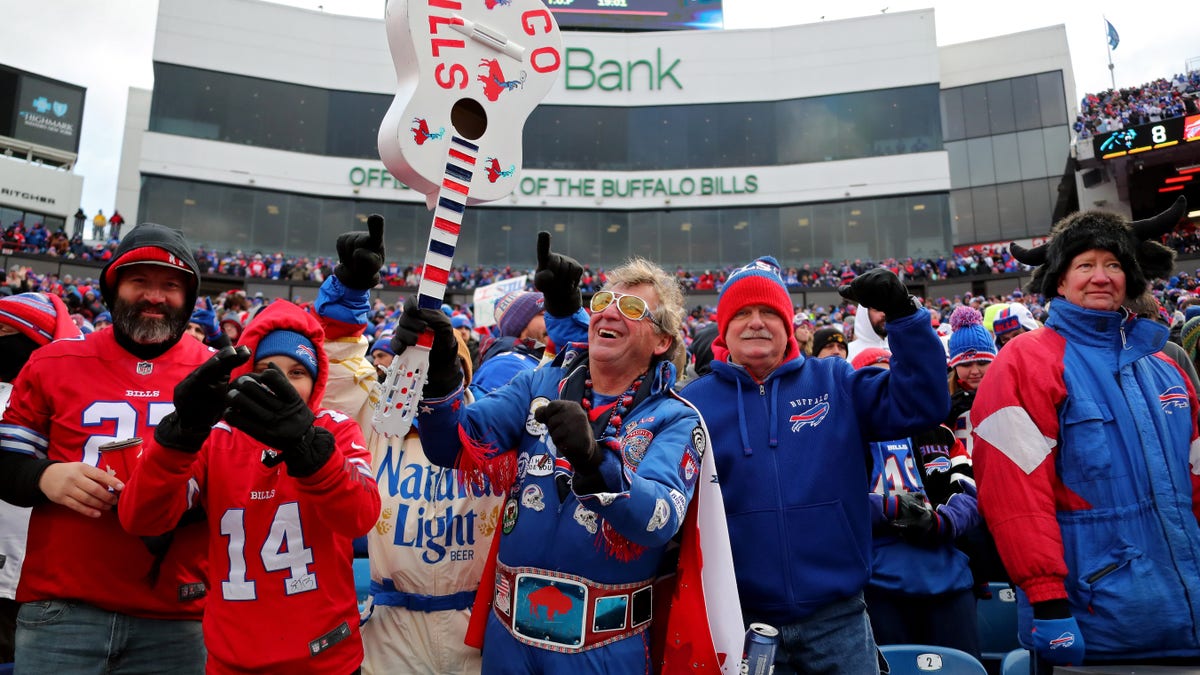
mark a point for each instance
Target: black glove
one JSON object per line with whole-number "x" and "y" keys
{"x": 360, "y": 255}
{"x": 913, "y": 517}
{"x": 268, "y": 408}
{"x": 880, "y": 289}
{"x": 445, "y": 375}
{"x": 199, "y": 401}
{"x": 557, "y": 278}
{"x": 571, "y": 432}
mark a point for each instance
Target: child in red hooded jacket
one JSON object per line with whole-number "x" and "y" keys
{"x": 286, "y": 486}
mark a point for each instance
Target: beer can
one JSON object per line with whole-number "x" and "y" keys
{"x": 758, "y": 653}
{"x": 119, "y": 457}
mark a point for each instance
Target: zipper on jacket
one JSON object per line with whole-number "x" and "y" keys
{"x": 1101, "y": 573}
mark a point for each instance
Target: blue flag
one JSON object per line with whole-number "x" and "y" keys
{"x": 1113, "y": 38}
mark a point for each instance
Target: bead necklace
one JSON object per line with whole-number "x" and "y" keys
{"x": 609, "y": 436}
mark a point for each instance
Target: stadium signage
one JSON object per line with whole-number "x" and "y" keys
{"x": 633, "y": 187}
{"x": 612, "y": 75}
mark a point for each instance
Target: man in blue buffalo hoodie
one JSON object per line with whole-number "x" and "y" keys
{"x": 790, "y": 437}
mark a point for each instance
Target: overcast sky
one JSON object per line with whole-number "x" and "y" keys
{"x": 107, "y": 46}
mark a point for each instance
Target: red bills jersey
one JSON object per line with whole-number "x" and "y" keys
{"x": 281, "y": 580}
{"x": 71, "y": 397}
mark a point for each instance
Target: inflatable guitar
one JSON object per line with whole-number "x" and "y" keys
{"x": 468, "y": 74}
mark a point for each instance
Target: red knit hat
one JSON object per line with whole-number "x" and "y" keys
{"x": 39, "y": 316}
{"x": 758, "y": 283}
{"x": 871, "y": 356}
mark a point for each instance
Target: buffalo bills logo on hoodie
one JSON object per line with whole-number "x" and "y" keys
{"x": 811, "y": 417}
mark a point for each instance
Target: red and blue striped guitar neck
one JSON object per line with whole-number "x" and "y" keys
{"x": 447, "y": 222}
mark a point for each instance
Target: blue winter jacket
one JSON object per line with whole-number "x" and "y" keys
{"x": 651, "y": 479}
{"x": 794, "y": 464}
{"x": 1121, "y": 489}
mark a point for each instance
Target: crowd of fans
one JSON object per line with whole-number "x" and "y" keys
{"x": 1130, "y": 106}
{"x": 974, "y": 261}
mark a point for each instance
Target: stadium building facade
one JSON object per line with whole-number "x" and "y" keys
{"x": 858, "y": 138}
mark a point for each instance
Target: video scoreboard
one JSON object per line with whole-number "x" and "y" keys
{"x": 1144, "y": 137}
{"x": 636, "y": 15}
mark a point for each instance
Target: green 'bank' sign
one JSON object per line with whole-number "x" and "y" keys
{"x": 582, "y": 72}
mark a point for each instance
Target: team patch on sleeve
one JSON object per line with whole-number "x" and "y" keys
{"x": 689, "y": 466}
{"x": 634, "y": 445}
{"x": 532, "y": 426}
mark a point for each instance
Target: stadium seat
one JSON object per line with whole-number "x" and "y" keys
{"x": 362, "y": 580}
{"x": 923, "y": 659}
{"x": 997, "y": 619}
{"x": 1015, "y": 662}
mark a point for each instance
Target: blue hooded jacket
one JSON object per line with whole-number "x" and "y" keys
{"x": 794, "y": 464}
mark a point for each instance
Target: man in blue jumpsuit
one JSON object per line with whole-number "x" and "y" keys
{"x": 601, "y": 459}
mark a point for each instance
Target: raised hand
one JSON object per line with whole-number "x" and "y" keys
{"x": 880, "y": 289}
{"x": 268, "y": 408}
{"x": 444, "y": 372}
{"x": 557, "y": 277}
{"x": 360, "y": 255}
{"x": 206, "y": 317}
{"x": 199, "y": 401}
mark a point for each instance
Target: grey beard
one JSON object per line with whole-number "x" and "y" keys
{"x": 144, "y": 331}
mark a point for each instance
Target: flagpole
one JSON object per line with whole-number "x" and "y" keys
{"x": 1108, "y": 43}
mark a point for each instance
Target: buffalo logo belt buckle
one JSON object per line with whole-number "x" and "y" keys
{"x": 549, "y": 611}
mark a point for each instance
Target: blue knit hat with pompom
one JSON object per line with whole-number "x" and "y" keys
{"x": 970, "y": 341}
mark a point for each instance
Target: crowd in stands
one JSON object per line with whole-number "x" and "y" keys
{"x": 1130, "y": 106}
{"x": 974, "y": 261}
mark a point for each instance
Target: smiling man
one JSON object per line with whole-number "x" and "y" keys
{"x": 790, "y": 439}
{"x": 86, "y": 582}
{"x": 600, "y": 459}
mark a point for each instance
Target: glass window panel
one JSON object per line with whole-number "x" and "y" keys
{"x": 928, "y": 225}
{"x": 953, "y": 125}
{"x": 240, "y": 109}
{"x": 615, "y": 237}
{"x": 1039, "y": 208}
{"x": 962, "y": 216}
{"x": 1011, "y": 202}
{"x": 981, "y": 162}
{"x": 1031, "y": 154}
{"x": 975, "y": 110}
{"x": 828, "y": 226}
{"x": 203, "y": 214}
{"x": 987, "y": 213}
{"x": 303, "y": 217}
{"x": 1000, "y": 107}
{"x": 737, "y": 231}
{"x": 1026, "y": 107}
{"x": 161, "y": 201}
{"x": 1052, "y": 98}
{"x": 644, "y": 235}
{"x": 705, "y": 249}
{"x": 1057, "y": 142}
{"x": 765, "y": 235}
{"x": 1006, "y": 158}
{"x": 270, "y": 231}
{"x": 353, "y": 120}
{"x": 960, "y": 169}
